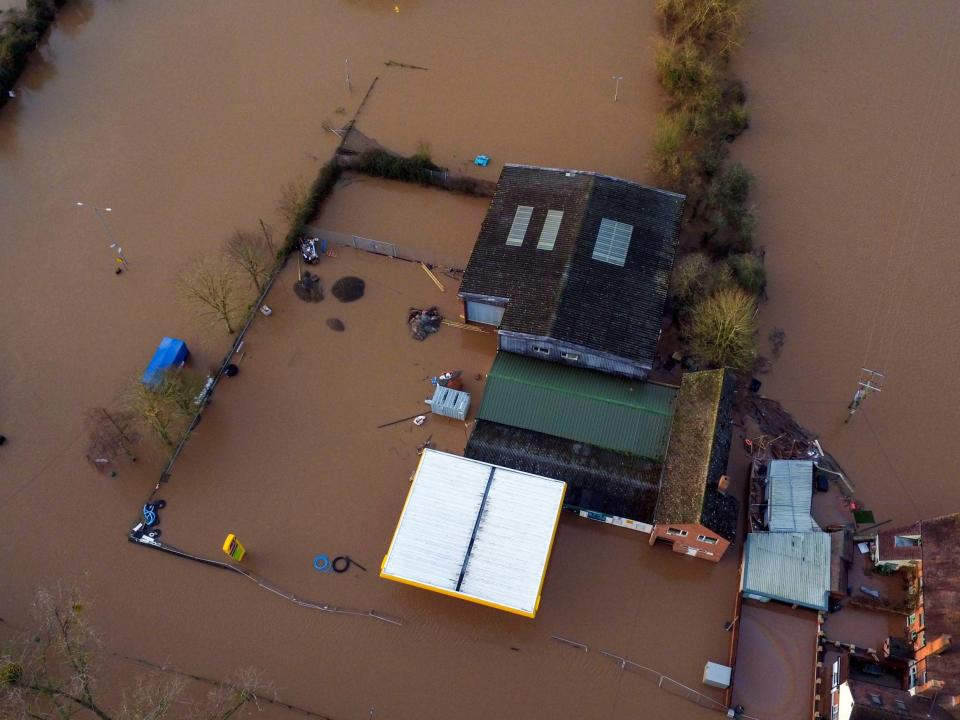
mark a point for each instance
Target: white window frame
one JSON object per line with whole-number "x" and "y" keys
{"x": 676, "y": 532}
{"x": 835, "y": 674}
{"x": 572, "y": 357}
{"x": 540, "y": 349}
{"x": 707, "y": 539}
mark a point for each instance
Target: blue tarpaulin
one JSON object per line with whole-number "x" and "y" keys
{"x": 170, "y": 353}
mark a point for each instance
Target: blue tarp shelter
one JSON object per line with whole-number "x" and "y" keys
{"x": 170, "y": 353}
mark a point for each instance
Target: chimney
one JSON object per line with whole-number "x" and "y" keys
{"x": 723, "y": 483}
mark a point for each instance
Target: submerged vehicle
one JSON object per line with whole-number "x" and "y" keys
{"x": 310, "y": 250}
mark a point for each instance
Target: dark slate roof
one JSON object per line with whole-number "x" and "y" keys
{"x": 564, "y": 293}
{"x": 600, "y": 480}
{"x": 697, "y": 455}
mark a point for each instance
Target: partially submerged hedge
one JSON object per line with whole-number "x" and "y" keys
{"x": 20, "y": 33}
{"x": 310, "y": 204}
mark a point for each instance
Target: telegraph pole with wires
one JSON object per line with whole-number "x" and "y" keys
{"x": 870, "y": 381}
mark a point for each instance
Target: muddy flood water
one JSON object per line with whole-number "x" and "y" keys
{"x": 853, "y": 107}
{"x": 187, "y": 118}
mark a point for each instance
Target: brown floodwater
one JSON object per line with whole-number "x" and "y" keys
{"x": 186, "y": 119}
{"x": 853, "y": 107}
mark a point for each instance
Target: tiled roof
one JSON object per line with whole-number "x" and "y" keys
{"x": 600, "y": 480}
{"x": 941, "y": 596}
{"x": 876, "y": 702}
{"x": 578, "y": 404}
{"x": 563, "y": 293}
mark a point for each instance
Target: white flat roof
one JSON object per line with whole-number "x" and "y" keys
{"x": 476, "y": 531}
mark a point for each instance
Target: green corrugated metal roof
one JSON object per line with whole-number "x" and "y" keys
{"x": 577, "y": 404}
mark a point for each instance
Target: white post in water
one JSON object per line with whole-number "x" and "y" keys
{"x": 616, "y": 91}
{"x": 346, "y": 67}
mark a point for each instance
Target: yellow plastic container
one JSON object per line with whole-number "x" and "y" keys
{"x": 233, "y": 548}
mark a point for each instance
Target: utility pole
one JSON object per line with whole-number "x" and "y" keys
{"x": 870, "y": 381}
{"x": 616, "y": 91}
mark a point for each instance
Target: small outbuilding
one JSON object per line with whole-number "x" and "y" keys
{"x": 476, "y": 531}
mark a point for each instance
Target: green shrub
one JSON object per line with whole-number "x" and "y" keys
{"x": 730, "y": 189}
{"x": 416, "y": 168}
{"x": 696, "y": 276}
{"x": 748, "y": 271}
{"x": 674, "y": 161}
{"x": 738, "y": 120}
{"x": 716, "y": 25}
{"x": 720, "y": 330}
{"x": 301, "y": 208}
{"x": 683, "y": 71}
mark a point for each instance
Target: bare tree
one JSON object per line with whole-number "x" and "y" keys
{"x": 50, "y": 673}
{"x": 211, "y": 291}
{"x": 253, "y": 253}
{"x": 165, "y": 408}
{"x": 110, "y": 434}
{"x": 293, "y": 199}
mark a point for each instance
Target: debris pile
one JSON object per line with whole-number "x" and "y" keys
{"x": 309, "y": 288}
{"x": 423, "y": 322}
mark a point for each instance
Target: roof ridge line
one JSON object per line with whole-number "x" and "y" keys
{"x": 644, "y": 408}
{"x": 591, "y": 173}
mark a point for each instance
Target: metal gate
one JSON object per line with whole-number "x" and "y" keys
{"x": 375, "y": 246}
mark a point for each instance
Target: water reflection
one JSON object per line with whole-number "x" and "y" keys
{"x": 74, "y": 16}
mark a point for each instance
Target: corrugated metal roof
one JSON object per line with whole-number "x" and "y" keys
{"x": 577, "y": 404}
{"x": 790, "y": 567}
{"x": 476, "y": 531}
{"x": 790, "y": 496}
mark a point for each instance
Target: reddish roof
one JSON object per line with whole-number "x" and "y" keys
{"x": 941, "y": 596}
{"x": 887, "y": 549}
{"x": 864, "y": 694}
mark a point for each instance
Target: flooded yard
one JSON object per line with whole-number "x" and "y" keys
{"x": 777, "y": 652}
{"x": 336, "y": 485}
